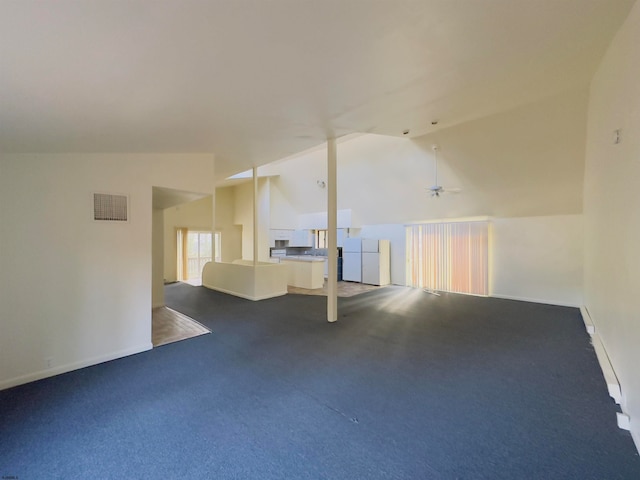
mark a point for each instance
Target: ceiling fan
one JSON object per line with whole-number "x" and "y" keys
{"x": 437, "y": 189}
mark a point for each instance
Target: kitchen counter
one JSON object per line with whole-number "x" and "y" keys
{"x": 303, "y": 258}
{"x": 304, "y": 271}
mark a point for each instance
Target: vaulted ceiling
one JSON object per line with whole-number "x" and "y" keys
{"x": 253, "y": 81}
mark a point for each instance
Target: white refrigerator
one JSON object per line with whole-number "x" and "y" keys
{"x": 352, "y": 260}
{"x": 376, "y": 261}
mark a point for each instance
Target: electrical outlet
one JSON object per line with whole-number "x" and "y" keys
{"x": 617, "y": 136}
{"x": 48, "y": 362}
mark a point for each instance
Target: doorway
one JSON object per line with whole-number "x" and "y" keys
{"x": 194, "y": 250}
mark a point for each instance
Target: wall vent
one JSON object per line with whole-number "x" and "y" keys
{"x": 110, "y": 208}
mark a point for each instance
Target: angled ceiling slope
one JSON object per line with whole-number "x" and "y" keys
{"x": 255, "y": 81}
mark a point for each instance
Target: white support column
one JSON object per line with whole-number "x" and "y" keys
{"x": 214, "y": 253}
{"x": 255, "y": 216}
{"x": 332, "y": 231}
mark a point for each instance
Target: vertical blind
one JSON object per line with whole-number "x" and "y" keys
{"x": 449, "y": 257}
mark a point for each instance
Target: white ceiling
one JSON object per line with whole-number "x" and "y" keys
{"x": 254, "y": 81}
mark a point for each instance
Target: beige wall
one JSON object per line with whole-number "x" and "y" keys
{"x": 243, "y": 215}
{"x": 198, "y": 216}
{"x": 157, "y": 263}
{"x": 611, "y": 206}
{"x": 72, "y": 290}
{"x": 231, "y": 233}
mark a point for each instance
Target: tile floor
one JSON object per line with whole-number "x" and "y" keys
{"x": 345, "y": 289}
{"x": 168, "y": 326}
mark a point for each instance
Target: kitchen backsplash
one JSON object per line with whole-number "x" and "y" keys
{"x": 316, "y": 252}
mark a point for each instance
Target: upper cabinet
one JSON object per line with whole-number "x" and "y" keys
{"x": 275, "y": 234}
{"x": 302, "y": 238}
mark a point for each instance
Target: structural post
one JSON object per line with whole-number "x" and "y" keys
{"x": 255, "y": 216}
{"x": 214, "y": 252}
{"x": 332, "y": 231}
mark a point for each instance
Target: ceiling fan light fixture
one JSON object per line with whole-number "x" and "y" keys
{"x": 437, "y": 189}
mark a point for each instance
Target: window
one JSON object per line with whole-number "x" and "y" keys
{"x": 194, "y": 250}
{"x": 450, "y": 257}
{"x": 217, "y": 241}
{"x": 321, "y": 239}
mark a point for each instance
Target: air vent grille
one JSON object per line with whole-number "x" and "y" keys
{"x": 110, "y": 208}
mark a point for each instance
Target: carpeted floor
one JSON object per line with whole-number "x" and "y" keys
{"x": 405, "y": 385}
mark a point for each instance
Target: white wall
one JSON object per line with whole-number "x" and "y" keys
{"x": 611, "y": 211}
{"x": 243, "y": 215}
{"x": 282, "y": 214}
{"x": 537, "y": 259}
{"x": 527, "y": 162}
{"x": 73, "y": 290}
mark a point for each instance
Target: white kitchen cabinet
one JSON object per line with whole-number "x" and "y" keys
{"x": 279, "y": 234}
{"x": 301, "y": 238}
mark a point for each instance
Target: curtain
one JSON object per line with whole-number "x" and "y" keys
{"x": 450, "y": 257}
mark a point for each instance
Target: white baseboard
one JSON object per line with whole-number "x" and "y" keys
{"x": 50, "y": 372}
{"x": 610, "y": 377}
{"x": 623, "y": 421}
{"x": 588, "y": 322}
{"x": 534, "y": 300}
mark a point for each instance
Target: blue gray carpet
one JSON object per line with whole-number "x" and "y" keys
{"x": 405, "y": 385}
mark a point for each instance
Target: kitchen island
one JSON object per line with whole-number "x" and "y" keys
{"x": 304, "y": 271}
